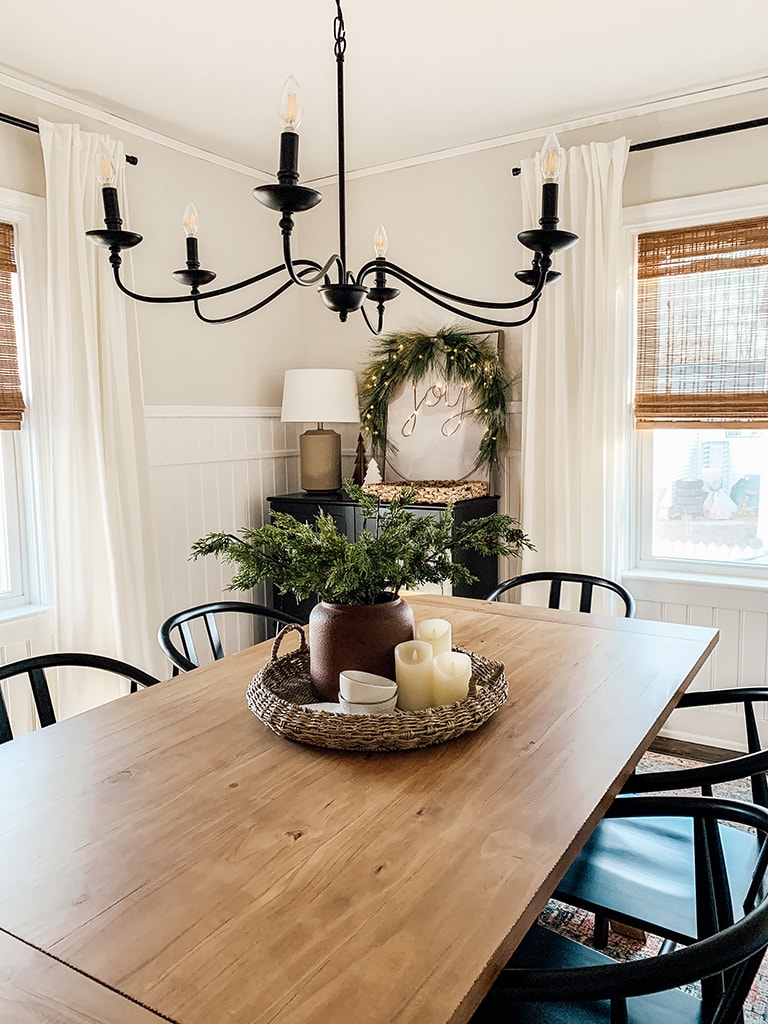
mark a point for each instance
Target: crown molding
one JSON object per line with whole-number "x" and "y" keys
{"x": 48, "y": 95}
{"x": 607, "y": 117}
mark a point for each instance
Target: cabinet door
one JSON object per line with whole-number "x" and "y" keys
{"x": 306, "y": 512}
{"x": 484, "y": 567}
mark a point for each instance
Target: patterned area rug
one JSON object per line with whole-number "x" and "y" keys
{"x": 579, "y": 924}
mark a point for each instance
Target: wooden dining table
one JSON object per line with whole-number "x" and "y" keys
{"x": 170, "y": 850}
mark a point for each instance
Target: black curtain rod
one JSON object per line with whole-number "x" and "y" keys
{"x": 706, "y": 133}
{"x": 671, "y": 140}
{"x": 30, "y": 127}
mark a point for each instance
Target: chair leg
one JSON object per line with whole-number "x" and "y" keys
{"x": 600, "y": 937}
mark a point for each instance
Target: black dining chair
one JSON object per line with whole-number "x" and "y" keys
{"x": 36, "y": 668}
{"x": 176, "y": 634}
{"x": 617, "y": 876}
{"x": 552, "y": 979}
{"x": 585, "y": 582}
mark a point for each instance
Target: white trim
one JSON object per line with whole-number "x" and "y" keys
{"x": 27, "y": 214}
{"x": 48, "y": 95}
{"x": 606, "y": 117}
{"x": 716, "y": 206}
{"x": 123, "y": 125}
{"x": 203, "y": 460}
{"x": 693, "y": 588}
{"x": 210, "y": 411}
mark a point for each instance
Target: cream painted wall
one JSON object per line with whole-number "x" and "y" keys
{"x": 183, "y": 361}
{"x": 455, "y": 221}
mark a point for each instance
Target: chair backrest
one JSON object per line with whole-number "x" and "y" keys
{"x": 35, "y": 669}
{"x": 586, "y": 583}
{"x": 752, "y": 766}
{"x": 726, "y": 961}
{"x": 176, "y": 634}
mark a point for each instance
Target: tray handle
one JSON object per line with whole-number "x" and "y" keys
{"x": 284, "y": 632}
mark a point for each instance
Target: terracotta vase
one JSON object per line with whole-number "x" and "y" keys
{"x": 357, "y": 636}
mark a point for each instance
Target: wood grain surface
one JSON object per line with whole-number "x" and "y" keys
{"x": 35, "y": 989}
{"x": 171, "y": 846}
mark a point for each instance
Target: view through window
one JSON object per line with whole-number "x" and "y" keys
{"x": 702, "y": 369}
{"x": 706, "y": 495}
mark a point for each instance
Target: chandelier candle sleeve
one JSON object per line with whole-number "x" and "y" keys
{"x": 437, "y": 633}
{"x": 451, "y": 672}
{"x": 413, "y": 673}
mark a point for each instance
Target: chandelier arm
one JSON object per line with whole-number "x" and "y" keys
{"x": 246, "y": 312}
{"x": 301, "y": 279}
{"x": 462, "y": 312}
{"x": 200, "y": 295}
{"x": 308, "y": 264}
{"x": 374, "y": 330}
{"x": 429, "y": 291}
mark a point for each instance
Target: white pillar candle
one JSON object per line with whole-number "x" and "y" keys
{"x": 450, "y": 677}
{"x": 413, "y": 672}
{"x": 436, "y": 632}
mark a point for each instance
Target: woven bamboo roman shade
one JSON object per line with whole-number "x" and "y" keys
{"x": 11, "y": 401}
{"x": 702, "y": 326}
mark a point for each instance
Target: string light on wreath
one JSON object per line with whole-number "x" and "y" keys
{"x": 452, "y": 356}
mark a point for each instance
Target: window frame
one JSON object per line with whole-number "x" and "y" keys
{"x": 21, "y": 451}
{"x": 688, "y": 211}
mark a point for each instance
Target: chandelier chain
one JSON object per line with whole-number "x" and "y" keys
{"x": 339, "y": 33}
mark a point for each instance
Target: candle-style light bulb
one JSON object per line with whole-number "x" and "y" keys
{"x": 191, "y": 221}
{"x": 380, "y": 241}
{"x": 290, "y": 119}
{"x": 290, "y": 106}
{"x": 551, "y": 159}
{"x": 106, "y": 170}
{"x": 551, "y": 164}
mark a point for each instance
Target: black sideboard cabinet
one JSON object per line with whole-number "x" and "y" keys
{"x": 350, "y": 522}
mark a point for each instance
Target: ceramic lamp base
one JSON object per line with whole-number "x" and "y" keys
{"x": 320, "y": 452}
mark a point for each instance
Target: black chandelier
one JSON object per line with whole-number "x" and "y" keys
{"x": 350, "y": 291}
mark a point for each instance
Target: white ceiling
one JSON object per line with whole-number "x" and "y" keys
{"x": 423, "y": 76}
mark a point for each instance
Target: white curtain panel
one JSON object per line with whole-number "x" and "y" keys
{"x": 106, "y": 577}
{"x": 576, "y": 412}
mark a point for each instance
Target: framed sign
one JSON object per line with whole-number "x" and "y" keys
{"x": 435, "y": 406}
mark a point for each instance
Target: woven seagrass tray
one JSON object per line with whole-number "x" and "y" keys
{"x": 279, "y": 693}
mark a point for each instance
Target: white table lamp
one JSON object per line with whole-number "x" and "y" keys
{"x": 320, "y": 396}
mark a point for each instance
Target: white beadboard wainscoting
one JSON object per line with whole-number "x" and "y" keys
{"x": 212, "y": 469}
{"x": 739, "y": 609}
{"x": 23, "y": 635}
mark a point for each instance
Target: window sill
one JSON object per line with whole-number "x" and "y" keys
{"x": 24, "y": 611}
{"x": 731, "y": 581}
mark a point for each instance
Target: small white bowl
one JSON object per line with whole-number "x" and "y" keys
{"x": 365, "y": 687}
{"x": 380, "y": 707}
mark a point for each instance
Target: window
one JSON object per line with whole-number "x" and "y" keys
{"x": 701, "y": 394}
{"x": 21, "y": 511}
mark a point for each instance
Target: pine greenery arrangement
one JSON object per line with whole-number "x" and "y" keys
{"x": 397, "y": 551}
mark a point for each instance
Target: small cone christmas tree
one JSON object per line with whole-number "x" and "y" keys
{"x": 373, "y": 474}
{"x": 360, "y": 461}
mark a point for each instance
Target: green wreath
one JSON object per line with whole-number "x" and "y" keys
{"x": 458, "y": 357}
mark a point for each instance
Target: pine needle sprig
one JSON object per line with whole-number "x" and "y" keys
{"x": 396, "y": 550}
